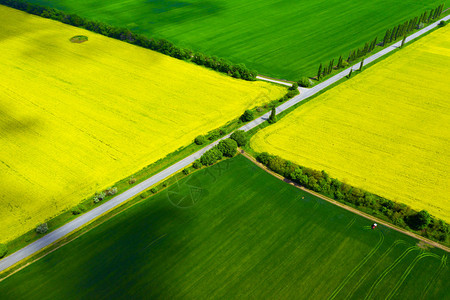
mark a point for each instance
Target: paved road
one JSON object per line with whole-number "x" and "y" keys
{"x": 101, "y": 209}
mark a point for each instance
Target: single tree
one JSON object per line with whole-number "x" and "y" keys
{"x": 330, "y": 66}
{"x": 350, "y": 73}
{"x": 403, "y": 41}
{"x": 247, "y": 116}
{"x": 319, "y": 72}
{"x": 273, "y": 116}
{"x": 42, "y": 228}
{"x": 339, "y": 64}
{"x": 228, "y": 147}
{"x": 386, "y": 37}
{"x": 240, "y": 136}
{"x": 361, "y": 65}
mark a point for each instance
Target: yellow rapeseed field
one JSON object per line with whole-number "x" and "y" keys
{"x": 385, "y": 130}
{"x": 75, "y": 118}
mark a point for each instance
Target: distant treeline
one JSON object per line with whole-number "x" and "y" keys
{"x": 399, "y": 214}
{"x": 391, "y": 35}
{"x": 124, "y": 34}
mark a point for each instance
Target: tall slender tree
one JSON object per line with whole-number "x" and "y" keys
{"x": 361, "y": 65}
{"x": 319, "y": 72}
{"x": 386, "y": 37}
{"x": 273, "y": 116}
{"x": 403, "y": 41}
{"x": 330, "y": 66}
{"x": 339, "y": 64}
{"x": 350, "y": 73}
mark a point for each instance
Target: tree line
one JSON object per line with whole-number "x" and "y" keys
{"x": 124, "y": 34}
{"x": 399, "y": 214}
{"x": 391, "y": 35}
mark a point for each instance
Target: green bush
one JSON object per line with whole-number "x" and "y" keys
{"x": 3, "y": 250}
{"x": 42, "y": 228}
{"x": 143, "y": 195}
{"x": 247, "y": 116}
{"x": 294, "y": 86}
{"x": 197, "y": 164}
{"x": 419, "y": 220}
{"x": 215, "y": 134}
{"x": 241, "y": 137}
{"x": 292, "y": 93}
{"x": 200, "y": 140}
{"x": 442, "y": 23}
{"x": 304, "y": 82}
{"x": 99, "y": 197}
{"x": 186, "y": 172}
{"x": 80, "y": 208}
{"x": 154, "y": 190}
{"x": 211, "y": 156}
{"x": 111, "y": 191}
{"x": 228, "y": 147}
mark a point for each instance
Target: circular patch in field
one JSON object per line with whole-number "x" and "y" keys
{"x": 79, "y": 39}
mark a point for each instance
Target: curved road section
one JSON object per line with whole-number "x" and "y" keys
{"x": 59, "y": 233}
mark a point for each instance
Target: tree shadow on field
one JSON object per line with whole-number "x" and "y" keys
{"x": 11, "y": 29}
{"x": 10, "y": 126}
{"x": 160, "y": 13}
{"x": 132, "y": 255}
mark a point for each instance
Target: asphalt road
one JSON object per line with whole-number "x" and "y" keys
{"x": 57, "y": 234}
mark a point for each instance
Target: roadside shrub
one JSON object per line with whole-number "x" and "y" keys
{"x": 211, "y": 156}
{"x": 200, "y": 140}
{"x": 111, "y": 191}
{"x": 292, "y": 93}
{"x": 165, "y": 184}
{"x": 228, "y": 147}
{"x": 132, "y": 180}
{"x": 197, "y": 164}
{"x": 143, "y": 195}
{"x": 186, "y": 171}
{"x": 78, "y": 209}
{"x": 42, "y": 228}
{"x": 247, "y": 116}
{"x": 215, "y": 134}
{"x": 419, "y": 220}
{"x": 154, "y": 190}
{"x": 442, "y": 23}
{"x": 3, "y": 250}
{"x": 263, "y": 158}
{"x": 293, "y": 87}
{"x": 241, "y": 137}
{"x": 304, "y": 82}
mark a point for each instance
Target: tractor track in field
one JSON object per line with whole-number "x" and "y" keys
{"x": 353, "y": 210}
{"x": 59, "y": 233}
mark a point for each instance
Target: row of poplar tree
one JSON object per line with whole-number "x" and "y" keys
{"x": 391, "y": 35}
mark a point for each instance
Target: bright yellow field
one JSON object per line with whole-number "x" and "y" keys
{"x": 75, "y": 118}
{"x": 387, "y": 130}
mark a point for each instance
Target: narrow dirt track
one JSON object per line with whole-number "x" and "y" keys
{"x": 353, "y": 210}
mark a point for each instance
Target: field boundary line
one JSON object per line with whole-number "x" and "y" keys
{"x": 346, "y": 207}
{"x": 87, "y": 217}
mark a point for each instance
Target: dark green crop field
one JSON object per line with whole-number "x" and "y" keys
{"x": 234, "y": 231}
{"x": 284, "y": 39}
